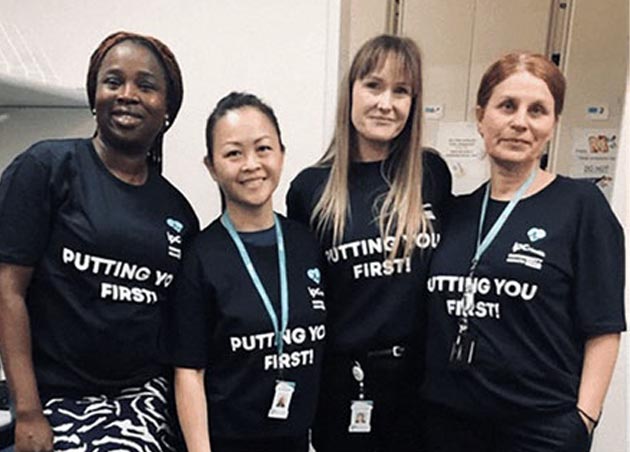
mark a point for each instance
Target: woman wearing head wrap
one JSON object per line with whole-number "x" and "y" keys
{"x": 525, "y": 301}
{"x": 91, "y": 237}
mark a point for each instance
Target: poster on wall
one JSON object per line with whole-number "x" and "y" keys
{"x": 594, "y": 157}
{"x": 462, "y": 148}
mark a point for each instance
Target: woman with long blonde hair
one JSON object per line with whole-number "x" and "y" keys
{"x": 375, "y": 200}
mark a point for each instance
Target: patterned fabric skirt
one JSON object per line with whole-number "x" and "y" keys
{"x": 135, "y": 419}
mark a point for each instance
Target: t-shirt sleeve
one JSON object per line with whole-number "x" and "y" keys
{"x": 440, "y": 174}
{"x": 298, "y": 206}
{"x": 187, "y": 332}
{"x": 599, "y": 268}
{"x": 25, "y": 209}
{"x": 194, "y": 223}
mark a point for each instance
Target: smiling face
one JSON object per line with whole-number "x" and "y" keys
{"x": 518, "y": 120}
{"x": 130, "y": 99}
{"x": 381, "y": 102}
{"x": 247, "y": 159}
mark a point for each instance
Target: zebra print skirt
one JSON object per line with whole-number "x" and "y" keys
{"x": 135, "y": 419}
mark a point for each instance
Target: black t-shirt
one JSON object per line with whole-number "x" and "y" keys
{"x": 103, "y": 252}
{"x": 553, "y": 276}
{"x": 218, "y": 322}
{"x": 374, "y": 302}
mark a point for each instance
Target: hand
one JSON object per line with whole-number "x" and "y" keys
{"x": 33, "y": 433}
{"x": 590, "y": 425}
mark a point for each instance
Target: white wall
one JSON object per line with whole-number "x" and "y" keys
{"x": 282, "y": 50}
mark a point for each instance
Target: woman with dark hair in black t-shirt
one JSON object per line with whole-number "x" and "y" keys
{"x": 526, "y": 290}
{"x": 375, "y": 199}
{"x": 246, "y": 324}
{"x": 90, "y": 238}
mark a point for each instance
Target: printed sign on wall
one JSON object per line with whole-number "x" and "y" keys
{"x": 594, "y": 157}
{"x": 462, "y": 148}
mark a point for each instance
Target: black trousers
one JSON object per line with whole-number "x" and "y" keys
{"x": 448, "y": 431}
{"x": 391, "y": 383}
{"x": 284, "y": 444}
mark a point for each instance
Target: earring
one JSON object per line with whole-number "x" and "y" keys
{"x": 167, "y": 123}
{"x": 94, "y": 112}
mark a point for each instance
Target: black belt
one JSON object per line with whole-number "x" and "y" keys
{"x": 396, "y": 351}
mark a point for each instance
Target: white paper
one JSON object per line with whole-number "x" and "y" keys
{"x": 594, "y": 157}
{"x": 462, "y": 147}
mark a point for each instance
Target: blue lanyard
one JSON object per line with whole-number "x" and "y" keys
{"x": 282, "y": 269}
{"x": 483, "y": 245}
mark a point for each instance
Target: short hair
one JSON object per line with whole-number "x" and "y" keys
{"x": 234, "y": 101}
{"x": 172, "y": 72}
{"x": 536, "y": 64}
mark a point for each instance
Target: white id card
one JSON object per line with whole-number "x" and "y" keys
{"x": 361, "y": 416}
{"x": 281, "y": 400}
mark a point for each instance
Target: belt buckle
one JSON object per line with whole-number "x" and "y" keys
{"x": 397, "y": 351}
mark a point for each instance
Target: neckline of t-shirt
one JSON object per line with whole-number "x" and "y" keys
{"x": 370, "y": 169}
{"x": 261, "y": 238}
{"x": 368, "y": 164}
{"x": 108, "y": 173}
{"x": 541, "y": 192}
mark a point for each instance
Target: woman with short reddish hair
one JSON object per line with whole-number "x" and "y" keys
{"x": 526, "y": 290}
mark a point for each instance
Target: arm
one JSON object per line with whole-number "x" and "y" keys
{"x": 190, "y": 398}
{"x": 32, "y": 430}
{"x": 599, "y": 296}
{"x": 600, "y": 354}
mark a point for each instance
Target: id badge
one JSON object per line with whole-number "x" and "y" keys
{"x": 361, "y": 416}
{"x": 281, "y": 400}
{"x": 462, "y": 351}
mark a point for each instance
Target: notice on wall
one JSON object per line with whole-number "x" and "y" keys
{"x": 594, "y": 157}
{"x": 462, "y": 147}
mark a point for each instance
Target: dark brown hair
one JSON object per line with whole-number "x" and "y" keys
{"x": 234, "y": 101}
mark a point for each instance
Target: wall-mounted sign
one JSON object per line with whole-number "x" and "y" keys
{"x": 594, "y": 157}
{"x": 462, "y": 148}
{"x": 597, "y": 112}
{"x": 435, "y": 111}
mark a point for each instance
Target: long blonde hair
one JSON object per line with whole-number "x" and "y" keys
{"x": 401, "y": 212}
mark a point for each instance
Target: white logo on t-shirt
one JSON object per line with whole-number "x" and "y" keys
{"x": 536, "y": 234}
{"x": 525, "y": 254}
{"x": 317, "y": 298}
{"x": 174, "y": 241}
